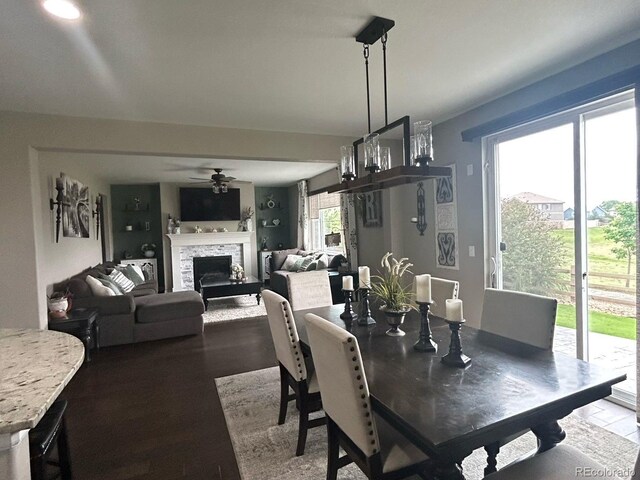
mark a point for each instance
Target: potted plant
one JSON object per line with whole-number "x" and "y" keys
{"x": 395, "y": 295}
{"x": 148, "y": 249}
{"x": 237, "y": 272}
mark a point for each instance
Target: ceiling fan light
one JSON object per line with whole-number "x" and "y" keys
{"x": 215, "y": 188}
{"x": 224, "y": 188}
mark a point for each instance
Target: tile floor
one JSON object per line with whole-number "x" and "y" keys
{"x": 612, "y": 417}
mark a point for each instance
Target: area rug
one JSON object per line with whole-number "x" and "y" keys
{"x": 266, "y": 451}
{"x": 233, "y": 308}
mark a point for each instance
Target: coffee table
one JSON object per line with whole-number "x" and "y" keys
{"x": 212, "y": 286}
{"x": 82, "y": 324}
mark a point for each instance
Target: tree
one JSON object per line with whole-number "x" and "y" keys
{"x": 610, "y": 205}
{"x": 533, "y": 250}
{"x": 622, "y": 230}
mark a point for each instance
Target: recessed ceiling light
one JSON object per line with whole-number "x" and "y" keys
{"x": 62, "y": 9}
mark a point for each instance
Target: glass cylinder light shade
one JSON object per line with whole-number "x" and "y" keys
{"x": 347, "y": 162}
{"x": 424, "y": 142}
{"x": 412, "y": 146}
{"x": 372, "y": 152}
{"x": 385, "y": 158}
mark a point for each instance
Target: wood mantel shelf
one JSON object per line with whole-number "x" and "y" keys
{"x": 390, "y": 178}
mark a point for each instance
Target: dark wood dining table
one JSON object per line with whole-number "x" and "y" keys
{"x": 448, "y": 412}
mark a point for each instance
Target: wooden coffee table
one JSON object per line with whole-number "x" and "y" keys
{"x": 216, "y": 287}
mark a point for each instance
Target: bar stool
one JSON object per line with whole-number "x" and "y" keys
{"x": 51, "y": 430}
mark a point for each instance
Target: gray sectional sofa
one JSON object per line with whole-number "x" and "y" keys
{"x": 139, "y": 316}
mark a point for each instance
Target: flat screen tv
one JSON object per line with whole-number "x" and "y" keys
{"x": 201, "y": 204}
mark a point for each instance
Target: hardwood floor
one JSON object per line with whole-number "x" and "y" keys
{"x": 151, "y": 410}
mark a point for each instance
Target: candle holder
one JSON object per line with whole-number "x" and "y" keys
{"x": 348, "y": 316}
{"x": 455, "y": 357}
{"x": 425, "y": 341}
{"x": 365, "y": 318}
{"x": 58, "y": 203}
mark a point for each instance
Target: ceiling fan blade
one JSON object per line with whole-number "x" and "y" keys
{"x": 201, "y": 179}
{"x": 228, "y": 179}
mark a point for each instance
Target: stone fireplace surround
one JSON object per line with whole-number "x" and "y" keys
{"x": 184, "y": 247}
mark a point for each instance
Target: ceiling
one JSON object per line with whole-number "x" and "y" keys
{"x": 135, "y": 169}
{"x": 291, "y": 65}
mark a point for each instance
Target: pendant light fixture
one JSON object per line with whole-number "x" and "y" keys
{"x": 417, "y": 149}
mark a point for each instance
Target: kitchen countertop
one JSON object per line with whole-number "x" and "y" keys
{"x": 35, "y": 366}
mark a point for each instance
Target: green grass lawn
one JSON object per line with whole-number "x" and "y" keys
{"x": 623, "y": 327}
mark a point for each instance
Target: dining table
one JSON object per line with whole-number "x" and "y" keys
{"x": 448, "y": 412}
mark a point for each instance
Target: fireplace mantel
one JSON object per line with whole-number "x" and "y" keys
{"x": 180, "y": 242}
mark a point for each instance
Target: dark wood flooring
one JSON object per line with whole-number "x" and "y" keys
{"x": 151, "y": 410}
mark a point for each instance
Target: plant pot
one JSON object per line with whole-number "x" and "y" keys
{"x": 395, "y": 318}
{"x": 58, "y": 307}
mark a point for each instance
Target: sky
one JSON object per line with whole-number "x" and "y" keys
{"x": 542, "y": 163}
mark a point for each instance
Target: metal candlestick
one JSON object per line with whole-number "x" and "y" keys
{"x": 372, "y": 168}
{"x": 59, "y": 203}
{"x": 348, "y": 316}
{"x": 365, "y": 318}
{"x": 425, "y": 342}
{"x": 347, "y": 177}
{"x": 455, "y": 357}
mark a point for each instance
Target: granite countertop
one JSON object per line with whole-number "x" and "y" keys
{"x": 35, "y": 366}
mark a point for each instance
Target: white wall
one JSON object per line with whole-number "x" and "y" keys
{"x": 25, "y": 136}
{"x": 170, "y": 205}
{"x": 70, "y": 255}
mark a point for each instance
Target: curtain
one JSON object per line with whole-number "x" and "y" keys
{"x": 303, "y": 216}
{"x": 349, "y": 228}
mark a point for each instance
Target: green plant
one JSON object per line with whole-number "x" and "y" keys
{"x": 388, "y": 285}
{"x": 148, "y": 246}
{"x": 622, "y": 231}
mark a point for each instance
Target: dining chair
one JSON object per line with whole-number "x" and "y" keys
{"x": 519, "y": 316}
{"x": 562, "y": 462}
{"x": 293, "y": 369}
{"x": 441, "y": 290}
{"x": 380, "y": 451}
{"x": 309, "y": 290}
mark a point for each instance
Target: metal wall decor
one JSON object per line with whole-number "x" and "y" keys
{"x": 59, "y": 203}
{"x": 421, "y": 225}
{"x": 97, "y": 214}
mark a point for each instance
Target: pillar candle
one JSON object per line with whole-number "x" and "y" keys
{"x": 454, "y": 309}
{"x": 365, "y": 277}
{"x": 347, "y": 283}
{"x": 423, "y": 288}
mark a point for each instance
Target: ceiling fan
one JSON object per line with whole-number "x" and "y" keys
{"x": 219, "y": 182}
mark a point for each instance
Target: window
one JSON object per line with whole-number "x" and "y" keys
{"x": 325, "y": 223}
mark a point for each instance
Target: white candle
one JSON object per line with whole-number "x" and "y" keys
{"x": 423, "y": 288}
{"x": 365, "y": 277}
{"x": 453, "y": 310}
{"x": 347, "y": 283}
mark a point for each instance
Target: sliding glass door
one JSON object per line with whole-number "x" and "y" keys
{"x": 562, "y": 197}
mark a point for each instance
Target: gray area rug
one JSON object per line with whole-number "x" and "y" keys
{"x": 233, "y": 308}
{"x": 265, "y": 450}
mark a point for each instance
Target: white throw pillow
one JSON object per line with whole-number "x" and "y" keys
{"x": 323, "y": 262}
{"x": 290, "y": 262}
{"x": 306, "y": 261}
{"x": 98, "y": 289}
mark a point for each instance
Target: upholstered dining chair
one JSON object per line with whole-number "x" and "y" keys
{"x": 562, "y": 462}
{"x": 519, "y": 316}
{"x": 441, "y": 290}
{"x": 309, "y": 290}
{"x": 293, "y": 369}
{"x": 380, "y": 451}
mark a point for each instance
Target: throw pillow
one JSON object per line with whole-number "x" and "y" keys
{"x": 289, "y": 262}
{"x": 312, "y": 266}
{"x": 108, "y": 281}
{"x": 306, "y": 261}
{"x": 323, "y": 261}
{"x": 130, "y": 272}
{"x": 298, "y": 264}
{"x": 123, "y": 282}
{"x": 98, "y": 289}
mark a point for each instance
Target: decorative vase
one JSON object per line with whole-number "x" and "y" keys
{"x": 149, "y": 253}
{"x": 249, "y": 224}
{"x": 263, "y": 222}
{"x": 395, "y": 318}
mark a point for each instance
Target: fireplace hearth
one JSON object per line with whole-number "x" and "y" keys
{"x": 219, "y": 266}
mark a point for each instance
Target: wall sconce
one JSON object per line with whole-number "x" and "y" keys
{"x": 97, "y": 214}
{"x": 421, "y": 220}
{"x": 59, "y": 203}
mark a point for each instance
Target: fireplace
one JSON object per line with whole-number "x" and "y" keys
{"x": 219, "y": 265}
